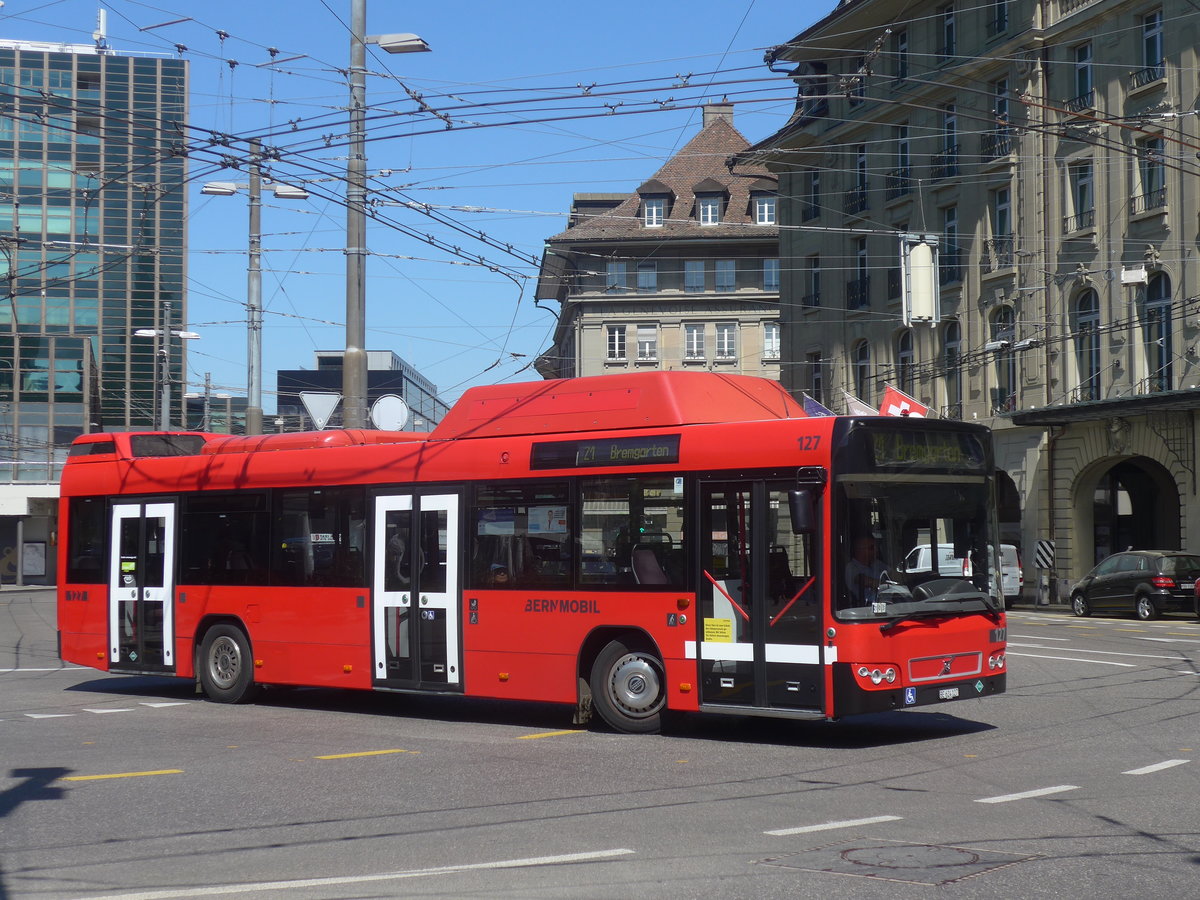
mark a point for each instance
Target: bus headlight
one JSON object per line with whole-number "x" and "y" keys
{"x": 878, "y": 674}
{"x": 996, "y": 661}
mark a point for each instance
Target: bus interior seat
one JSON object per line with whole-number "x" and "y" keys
{"x": 779, "y": 572}
{"x": 646, "y": 567}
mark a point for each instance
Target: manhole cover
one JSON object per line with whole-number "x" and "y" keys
{"x": 898, "y": 861}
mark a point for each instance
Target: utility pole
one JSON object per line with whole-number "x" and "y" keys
{"x": 354, "y": 360}
{"x": 254, "y": 413}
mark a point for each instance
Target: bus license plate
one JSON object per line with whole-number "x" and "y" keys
{"x": 948, "y": 693}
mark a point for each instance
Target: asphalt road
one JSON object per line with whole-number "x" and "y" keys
{"x": 1080, "y": 782}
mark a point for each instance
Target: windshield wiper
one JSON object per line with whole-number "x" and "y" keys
{"x": 992, "y": 610}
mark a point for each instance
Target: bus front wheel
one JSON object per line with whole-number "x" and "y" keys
{"x": 627, "y": 688}
{"x": 226, "y": 670}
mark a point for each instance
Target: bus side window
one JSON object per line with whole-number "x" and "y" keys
{"x": 521, "y": 536}
{"x": 632, "y": 532}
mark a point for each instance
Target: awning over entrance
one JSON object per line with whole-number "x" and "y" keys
{"x": 1163, "y": 401}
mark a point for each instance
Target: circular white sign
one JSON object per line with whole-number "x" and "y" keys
{"x": 389, "y": 413}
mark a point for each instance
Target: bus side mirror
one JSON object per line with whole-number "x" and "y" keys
{"x": 803, "y": 507}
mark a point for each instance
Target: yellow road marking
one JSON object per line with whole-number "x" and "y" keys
{"x": 364, "y": 753}
{"x": 121, "y": 775}
{"x": 545, "y": 734}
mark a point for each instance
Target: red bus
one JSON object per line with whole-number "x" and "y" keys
{"x": 628, "y": 544}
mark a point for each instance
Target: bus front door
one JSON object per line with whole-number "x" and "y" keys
{"x": 759, "y": 602}
{"x": 416, "y": 614}
{"x": 141, "y": 633}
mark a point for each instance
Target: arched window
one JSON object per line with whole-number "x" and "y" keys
{"x": 1156, "y": 326}
{"x": 952, "y": 365}
{"x": 1087, "y": 344}
{"x": 1003, "y": 331}
{"x": 905, "y": 363}
{"x": 862, "y": 371}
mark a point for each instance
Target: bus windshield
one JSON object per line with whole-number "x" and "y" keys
{"x": 913, "y": 546}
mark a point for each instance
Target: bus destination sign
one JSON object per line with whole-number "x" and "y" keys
{"x": 647, "y": 450}
{"x": 928, "y": 449}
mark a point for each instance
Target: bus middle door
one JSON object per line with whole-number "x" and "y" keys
{"x": 416, "y": 616}
{"x": 759, "y": 601}
{"x": 141, "y": 632}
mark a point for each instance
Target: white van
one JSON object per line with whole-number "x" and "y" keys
{"x": 920, "y": 560}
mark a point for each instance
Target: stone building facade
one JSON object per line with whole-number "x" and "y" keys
{"x": 681, "y": 273}
{"x": 1050, "y": 146}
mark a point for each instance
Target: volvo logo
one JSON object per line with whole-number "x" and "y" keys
{"x": 947, "y": 663}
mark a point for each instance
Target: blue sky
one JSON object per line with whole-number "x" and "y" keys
{"x": 543, "y": 103}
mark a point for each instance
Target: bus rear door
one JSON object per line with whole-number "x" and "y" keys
{"x": 759, "y": 602}
{"x": 141, "y": 633}
{"x": 416, "y": 613}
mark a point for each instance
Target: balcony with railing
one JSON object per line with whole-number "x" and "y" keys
{"x": 944, "y": 164}
{"x": 1086, "y": 392}
{"x": 858, "y": 292}
{"x": 1066, "y": 7}
{"x": 897, "y": 183}
{"x": 950, "y": 264}
{"x": 809, "y": 211}
{"x": 997, "y": 24}
{"x": 951, "y": 411}
{"x": 1147, "y": 202}
{"x": 1082, "y": 103}
{"x": 855, "y": 200}
{"x": 995, "y": 144}
{"x": 1080, "y": 221}
{"x": 1147, "y": 75}
{"x": 811, "y": 300}
{"x": 1003, "y": 403}
{"x": 998, "y": 253}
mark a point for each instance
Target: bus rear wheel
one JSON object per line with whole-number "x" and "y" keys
{"x": 627, "y": 688}
{"x": 226, "y": 670}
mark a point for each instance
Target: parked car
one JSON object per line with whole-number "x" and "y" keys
{"x": 1144, "y": 582}
{"x": 919, "y": 560}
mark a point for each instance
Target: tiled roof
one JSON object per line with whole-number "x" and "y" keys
{"x": 701, "y": 163}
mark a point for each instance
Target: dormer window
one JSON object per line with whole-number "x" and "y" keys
{"x": 711, "y": 197}
{"x": 654, "y": 211}
{"x": 656, "y": 203}
{"x": 764, "y": 209}
{"x": 708, "y": 209}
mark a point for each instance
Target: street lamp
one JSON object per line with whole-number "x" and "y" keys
{"x": 354, "y": 360}
{"x": 164, "y": 360}
{"x": 254, "y": 276}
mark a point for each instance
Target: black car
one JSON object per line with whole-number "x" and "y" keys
{"x": 1144, "y": 582}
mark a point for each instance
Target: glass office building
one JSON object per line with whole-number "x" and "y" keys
{"x": 92, "y": 205}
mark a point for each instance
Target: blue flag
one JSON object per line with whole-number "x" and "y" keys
{"x": 813, "y": 408}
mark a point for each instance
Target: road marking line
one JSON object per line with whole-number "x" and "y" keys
{"x": 121, "y": 775}
{"x": 1170, "y": 641}
{"x": 52, "y": 669}
{"x": 1095, "y": 662}
{"x": 546, "y": 734}
{"x": 49, "y": 715}
{"x": 1042, "y": 637}
{"x": 1103, "y": 652}
{"x": 829, "y": 826}
{"x": 101, "y": 712}
{"x": 363, "y": 753}
{"x": 1157, "y": 767}
{"x": 164, "y": 704}
{"x": 217, "y": 890}
{"x": 1025, "y": 795}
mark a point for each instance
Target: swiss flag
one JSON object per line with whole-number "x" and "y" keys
{"x": 897, "y": 403}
